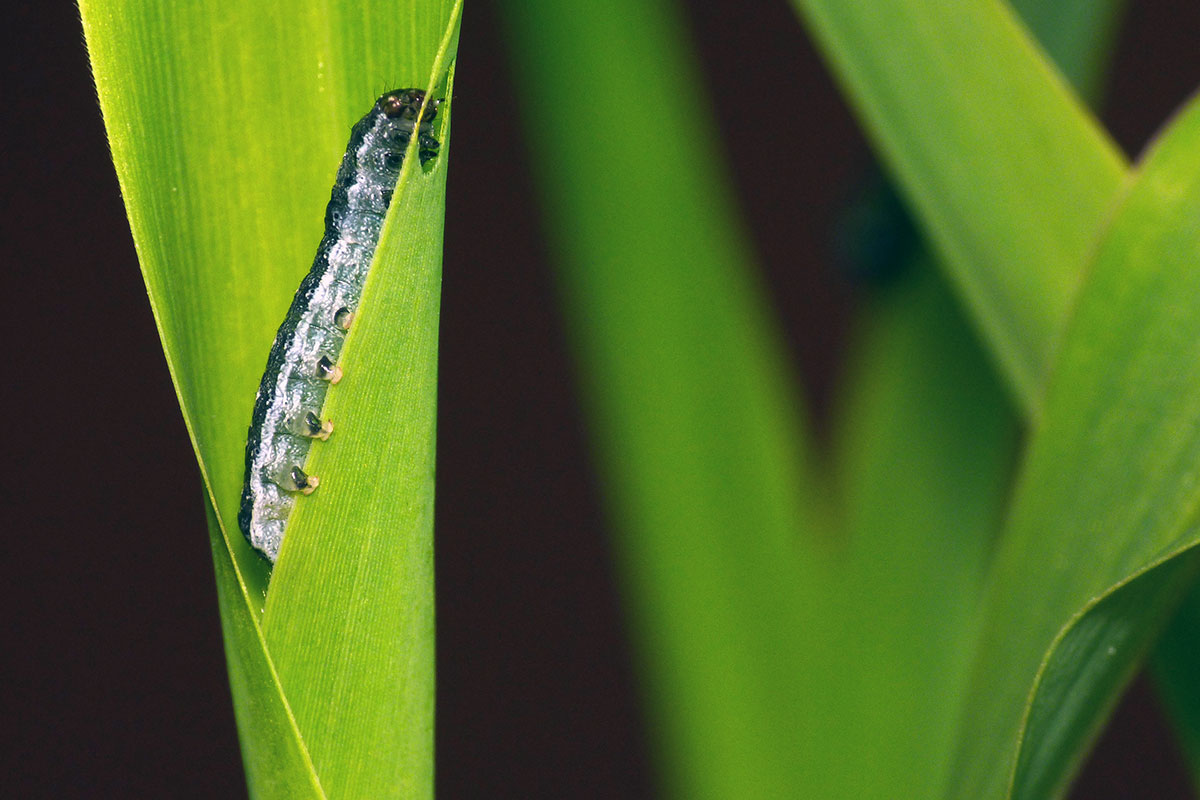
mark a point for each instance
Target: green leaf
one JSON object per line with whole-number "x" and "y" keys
{"x": 698, "y": 427}
{"x": 1088, "y": 668}
{"x": 277, "y": 762}
{"x": 1095, "y": 551}
{"x": 227, "y": 122}
{"x": 1008, "y": 173}
{"x": 1071, "y": 30}
{"x": 1078, "y": 35}
{"x": 1074, "y": 31}
{"x": 1174, "y": 668}
{"x": 349, "y": 617}
{"x": 925, "y": 450}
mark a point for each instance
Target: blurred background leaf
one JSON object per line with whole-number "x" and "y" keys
{"x": 1094, "y": 556}
{"x": 699, "y": 429}
{"x": 1053, "y": 744}
{"x": 1008, "y": 174}
{"x": 926, "y": 446}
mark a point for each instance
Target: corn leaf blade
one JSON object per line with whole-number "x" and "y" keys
{"x": 924, "y": 457}
{"x": 1008, "y": 173}
{"x": 227, "y": 122}
{"x": 699, "y": 431}
{"x": 1105, "y": 507}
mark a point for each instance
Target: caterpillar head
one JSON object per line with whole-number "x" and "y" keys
{"x": 406, "y": 104}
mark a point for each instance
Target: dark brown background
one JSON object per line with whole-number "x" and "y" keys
{"x": 114, "y": 677}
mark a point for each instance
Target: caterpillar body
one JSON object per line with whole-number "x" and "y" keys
{"x": 303, "y": 362}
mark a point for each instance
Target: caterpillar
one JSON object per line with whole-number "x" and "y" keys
{"x": 303, "y": 361}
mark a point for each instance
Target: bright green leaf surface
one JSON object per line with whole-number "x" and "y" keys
{"x": 1107, "y": 494}
{"x": 276, "y": 761}
{"x": 1074, "y": 32}
{"x": 924, "y": 459}
{"x": 697, "y": 424}
{"x": 364, "y": 641}
{"x": 1087, "y": 670}
{"x": 227, "y": 122}
{"x": 1008, "y": 173}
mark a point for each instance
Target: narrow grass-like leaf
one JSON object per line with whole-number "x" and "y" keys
{"x": 698, "y": 427}
{"x": 924, "y": 460}
{"x": 1108, "y": 498}
{"x": 276, "y": 760}
{"x": 1086, "y": 671}
{"x": 925, "y": 451}
{"x": 1077, "y": 35}
{"x": 1074, "y": 32}
{"x": 349, "y": 616}
{"x": 1071, "y": 31}
{"x": 1008, "y": 173}
{"x": 227, "y": 122}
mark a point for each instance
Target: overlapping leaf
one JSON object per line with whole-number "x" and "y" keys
{"x": 1007, "y": 172}
{"x": 227, "y": 122}
{"x": 924, "y": 457}
{"x": 1107, "y": 501}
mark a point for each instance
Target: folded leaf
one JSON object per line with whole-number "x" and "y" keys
{"x": 1106, "y": 503}
{"x": 227, "y": 122}
{"x": 1007, "y": 172}
{"x": 276, "y": 760}
{"x": 925, "y": 459}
